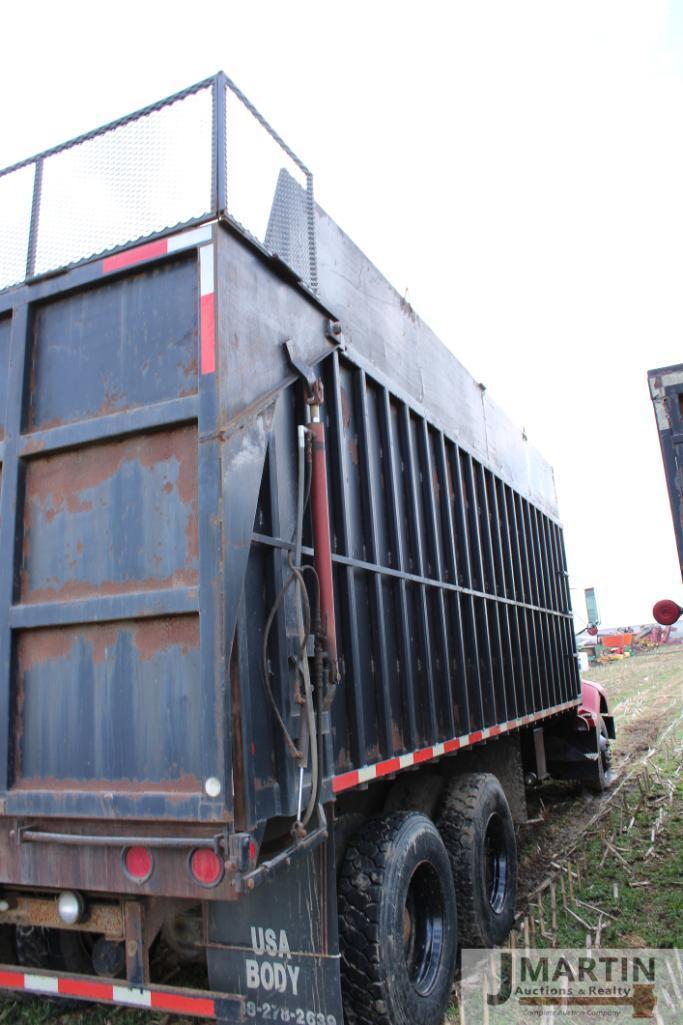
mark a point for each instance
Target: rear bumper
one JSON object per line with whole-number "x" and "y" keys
{"x": 225, "y": 1007}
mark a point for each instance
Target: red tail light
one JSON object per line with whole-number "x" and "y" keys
{"x": 138, "y": 863}
{"x": 206, "y": 867}
{"x": 666, "y": 612}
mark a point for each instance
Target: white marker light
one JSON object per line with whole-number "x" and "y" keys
{"x": 213, "y": 786}
{"x": 70, "y": 907}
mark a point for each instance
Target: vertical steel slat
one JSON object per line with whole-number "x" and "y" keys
{"x": 558, "y": 660}
{"x": 573, "y": 677}
{"x": 491, "y": 607}
{"x": 278, "y": 574}
{"x": 566, "y": 632}
{"x": 414, "y": 519}
{"x": 34, "y": 226}
{"x": 245, "y": 800}
{"x": 410, "y": 694}
{"x": 565, "y": 601}
{"x": 496, "y": 534}
{"x": 536, "y": 590}
{"x": 543, "y": 558}
{"x": 523, "y": 549}
{"x": 550, "y": 564}
{"x": 551, "y": 656}
{"x": 463, "y": 530}
{"x": 562, "y": 678}
{"x": 377, "y": 596}
{"x": 461, "y": 517}
{"x": 438, "y": 569}
{"x": 516, "y": 559}
{"x": 524, "y": 686}
{"x": 534, "y": 664}
{"x": 458, "y": 659}
{"x": 477, "y": 558}
{"x": 520, "y": 595}
{"x": 347, "y": 583}
{"x": 503, "y": 530}
{"x": 485, "y": 536}
{"x": 220, "y": 147}
{"x": 532, "y": 552}
{"x": 501, "y": 542}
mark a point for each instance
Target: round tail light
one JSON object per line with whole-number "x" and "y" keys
{"x": 138, "y": 864}
{"x": 206, "y": 867}
{"x": 666, "y": 612}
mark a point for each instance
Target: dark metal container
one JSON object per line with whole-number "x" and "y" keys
{"x": 666, "y": 391}
{"x": 148, "y": 508}
{"x": 168, "y": 408}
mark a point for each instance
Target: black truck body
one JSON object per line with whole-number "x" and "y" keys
{"x": 150, "y": 401}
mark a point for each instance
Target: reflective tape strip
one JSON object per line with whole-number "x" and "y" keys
{"x": 130, "y": 257}
{"x": 207, "y": 325}
{"x": 348, "y": 780}
{"x": 194, "y": 237}
{"x": 207, "y": 305}
{"x": 108, "y": 992}
{"x": 132, "y": 997}
{"x": 41, "y": 984}
{"x": 159, "y": 247}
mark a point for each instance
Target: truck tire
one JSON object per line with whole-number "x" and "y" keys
{"x": 605, "y": 774}
{"x": 477, "y": 829}
{"x": 398, "y": 923}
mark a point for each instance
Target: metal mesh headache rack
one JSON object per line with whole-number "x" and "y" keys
{"x": 204, "y": 152}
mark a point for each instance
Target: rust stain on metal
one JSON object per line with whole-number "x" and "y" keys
{"x": 180, "y": 786}
{"x": 74, "y": 590}
{"x": 150, "y": 636}
{"x": 154, "y": 635}
{"x": 48, "y": 645}
{"x": 345, "y": 407}
{"x": 42, "y": 912}
{"x": 353, "y": 449}
{"x": 65, "y": 482}
{"x": 33, "y": 445}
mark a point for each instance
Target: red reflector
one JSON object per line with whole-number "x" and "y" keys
{"x": 666, "y": 612}
{"x": 138, "y": 863}
{"x": 206, "y": 867}
{"x": 252, "y": 851}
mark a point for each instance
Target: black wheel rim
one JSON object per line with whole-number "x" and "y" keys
{"x": 495, "y": 863}
{"x": 605, "y": 754}
{"x": 423, "y": 928}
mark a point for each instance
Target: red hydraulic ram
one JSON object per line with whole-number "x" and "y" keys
{"x": 322, "y": 541}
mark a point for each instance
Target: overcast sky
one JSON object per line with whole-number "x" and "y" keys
{"x": 516, "y": 166}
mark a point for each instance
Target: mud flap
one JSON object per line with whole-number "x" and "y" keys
{"x": 278, "y": 946}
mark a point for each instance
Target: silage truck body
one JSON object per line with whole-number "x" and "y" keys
{"x": 285, "y": 625}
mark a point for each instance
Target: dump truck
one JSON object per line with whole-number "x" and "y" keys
{"x": 285, "y": 623}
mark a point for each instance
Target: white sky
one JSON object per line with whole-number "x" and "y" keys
{"x": 517, "y": 166}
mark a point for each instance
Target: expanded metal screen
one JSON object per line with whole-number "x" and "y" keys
{"x": 201, "y": 153}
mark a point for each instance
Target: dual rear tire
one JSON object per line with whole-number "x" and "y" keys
{"x": 407, "y": 889}
{"x": 398, "y": 923}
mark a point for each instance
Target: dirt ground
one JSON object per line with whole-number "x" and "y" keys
{"x": 645, "y": 694}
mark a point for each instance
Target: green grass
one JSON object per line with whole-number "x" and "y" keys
{"x": 644, "y": 915}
